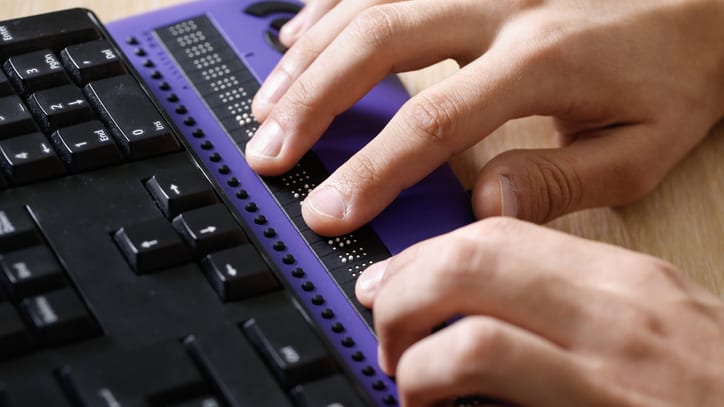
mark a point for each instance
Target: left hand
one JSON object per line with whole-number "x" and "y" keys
{"x": 550, "y": 320}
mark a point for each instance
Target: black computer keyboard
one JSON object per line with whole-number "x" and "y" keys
{"x": 126, "y": 280}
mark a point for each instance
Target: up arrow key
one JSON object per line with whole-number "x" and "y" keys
{"x": 175, "y": 189}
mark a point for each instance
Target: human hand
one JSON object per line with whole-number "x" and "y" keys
{"x": 598, "y": 326}
{"x": 633, "y": 86}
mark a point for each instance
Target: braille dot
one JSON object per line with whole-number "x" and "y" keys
{"x": 379, "y": 385}
{"x": 358, "y": 356}
{"x": 148, "y": 63}
{"x": 337, "y": 327}
{"x": 181, "y": 109}
{"x": 279, "y": 246}
{"x": 347, "y": 342}
{"x": 189, "y": 121}
{"x": 216, "y": 157}
{"x": 242, "y": 194}
{"x": 173, "y": 98}
{"x": 132, "y": 41}
{"x": 233, "y": 182}
{"x": 198, "y": 133}
{"x": 307, "y": 286}
{"x": 327, "y": 314}
{"x": 156, "y": 75}
{"x": 140, "y": 52}
{"x": 251, "y": 207}
{"x": 260, "y": 220}
{"x": 224, "y": 169}
{"x": 368, "y": 370}
{"x": 317, "y": 300}
{"x": 207, "y": 145}
{"x": 270, "y": 232}
{"x": 298, "y": 272}
{"x": 288, "y": 259}
{"x": 164, "y": 86}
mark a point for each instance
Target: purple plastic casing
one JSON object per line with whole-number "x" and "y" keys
{"x": 434, "y": 206}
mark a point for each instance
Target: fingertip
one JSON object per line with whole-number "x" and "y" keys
{"x": 368, "y": 283}
{"x": 486, "y": 197}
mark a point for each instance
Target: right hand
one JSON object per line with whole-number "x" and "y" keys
{"x": 632, "y": 85}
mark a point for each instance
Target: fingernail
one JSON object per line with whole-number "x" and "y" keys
{"x": 267, "y": 142}
{"x": 327, "y": 201}
{"x": 508, "y": 200}
{"x": 274, "y": 87}
{"x": 293, "y": 26}
{"x": 370, "y": 279}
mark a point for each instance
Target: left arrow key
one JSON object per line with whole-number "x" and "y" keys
{"x": 151, "y": 245}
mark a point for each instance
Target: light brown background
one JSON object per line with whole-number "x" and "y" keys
{"x": 682, "y": 221}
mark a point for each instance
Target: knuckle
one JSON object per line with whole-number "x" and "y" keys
{"x": 432, "y": 117}
{"x": 636, "y": 330}
{"x": 360, "y": 171}
{"x": 375, "y": 26}
{"x": 477, "y": 339}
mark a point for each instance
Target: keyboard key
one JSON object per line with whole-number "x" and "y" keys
{"x": 14, "y": 338}
{"x": 151, "y": 245}
{"x": 131, "y": 117}
{"x": 30, "y": 158}
{"x": 34, "y": 71}
{"x": 176, "y": 192}
{"x": 53, "y": 30}
{"x": 209, "y": 229}
{"x": 334, "y": 390}
{"x": 86, "y": 146}
{"x": 15, "y": 118}
{"x": 208, "y": 401}
{"x": 17, "y": 230}
{"x": 238, "y": 273}
{"x": 288, "y": 344}
{"x": 58, "y": 107}
{"x": 91, "y": 61}
{"x": 59, "y": 317}
{"x": 5, "y": 87}
{"x": 31, "y": 271}
{"x": 158, "y": 375}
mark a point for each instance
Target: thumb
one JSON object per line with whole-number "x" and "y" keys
{"x": 613, "y": 167}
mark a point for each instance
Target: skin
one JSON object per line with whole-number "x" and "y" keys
{"x": 575, "y": 332}
{"x": 632, "y": 87}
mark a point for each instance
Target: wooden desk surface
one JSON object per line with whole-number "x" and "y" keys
{"x": 682, "y": 221}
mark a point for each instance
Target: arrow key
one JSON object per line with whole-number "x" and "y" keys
{"x": 238, "y": 273}
{"x": 179, "y": 191}
{"x": 209, "y": 229}
{"x": 151, "y": 245}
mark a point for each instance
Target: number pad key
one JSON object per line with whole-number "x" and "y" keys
{"x": 91, "y": 61}
{"x": 131, "y": 117}
{"x": 34, "y": 71}
{"x": 29, "y": 158}
{"x": 86, "y": 146}
{"x": 15, "y": 118}
{"x": 58, "y": 107}
{"x": 31, "y": 271}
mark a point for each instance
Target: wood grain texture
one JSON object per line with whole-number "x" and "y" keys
{"x": 682, "y": 221}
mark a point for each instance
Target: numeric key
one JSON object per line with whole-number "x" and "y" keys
{"x": 36, "y": 70}
{"x": 131, "y": 117}
{"x": 30, "y": 158}
{"x": 86, "y": 146}
{"x": 31, "y": 271}
{"x": 91, "y": 61}
{"x": 58, "y": 107}
{"x": 15, "y": 118}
